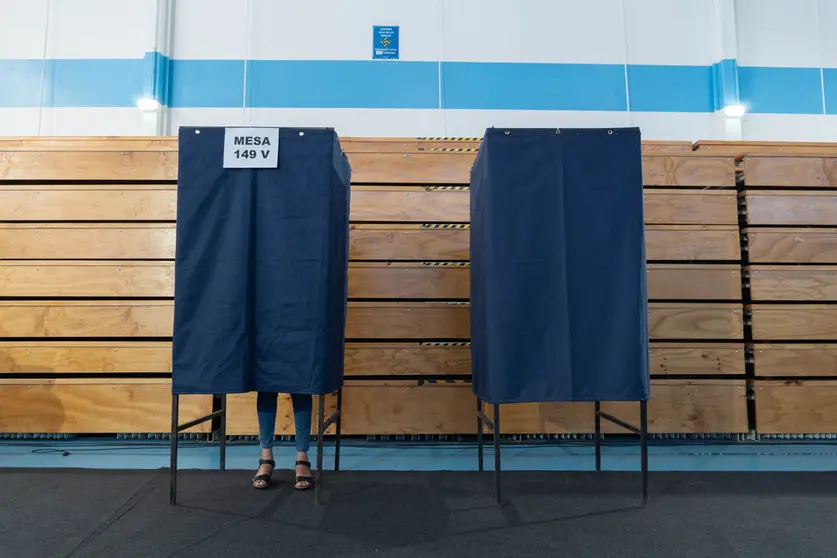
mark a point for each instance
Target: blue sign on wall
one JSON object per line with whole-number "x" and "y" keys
{"x": 385, "y": 42}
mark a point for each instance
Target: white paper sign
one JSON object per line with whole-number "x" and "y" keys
{"x": 251, "y": 148}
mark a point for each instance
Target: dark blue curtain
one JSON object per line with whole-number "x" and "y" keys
{"x": 558, "y": 284}
{"x": 261, "y": 267}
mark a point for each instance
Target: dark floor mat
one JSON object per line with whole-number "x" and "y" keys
{"x": 412, "y": 514}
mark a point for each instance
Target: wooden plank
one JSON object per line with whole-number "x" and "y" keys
{"x": 544, "y": 418}
{"x": 414, "y": 168}
{"x": 694, "y": 282}
{"x": 399, "y": 359}
{"x": 120, "y": 318}
{"x": 692, "y": 242}
{"x": 105, "y": 406}
{"x": 119, "y": 241}
{"x": 688, "y": 170}
{"x": 791, "y": 171}
{"x": 651, "y": 146}
{"x": 406, "y": 145}
{"x": 419, "y": 281}
{"x": 88, "y": 165}
{"x": 792, "y": 245}
{"x": 795, "y": 407}
{"x": 408, "y": 280}
{"x": 86, "y": 279}
{"x": 407, "y": 320}
{"x": 794, "y": 322}
{"x": 695, "y": 321}
{"x": 688, "y": 406}
{"x": 379, "y": 203}
{"x": 795, "y": 360}
{"x": 362, "y": 359}
{"x": 697, "y": 358}
{"x": 91, "y": 143}
{"x": 745, "y": 147}
{"x": 408, "y": 242}
{"x": 791, "y": 283}
{"x": 690, "y": 207}
{"x": 76, "y": 357}
{"x": 791, "y": 208}
{"x": 377, "y": 408}
{"x": 88, "y": 202}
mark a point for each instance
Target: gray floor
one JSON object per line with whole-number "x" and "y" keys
{"x": 409, "y": 514}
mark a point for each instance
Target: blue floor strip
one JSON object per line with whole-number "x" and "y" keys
{"x": 406, "y": 456}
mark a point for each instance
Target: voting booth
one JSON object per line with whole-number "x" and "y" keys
{"x": 261, "y": 269}
{"x": 558, "y": 275}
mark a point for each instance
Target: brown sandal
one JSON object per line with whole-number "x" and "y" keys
{"x": 264, "y": 477}
{"x": 304, "y": 478}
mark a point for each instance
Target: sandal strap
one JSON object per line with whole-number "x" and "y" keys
{"x": 265, "y": 478}
{"x": 303, "y": 478}
{"x": 270, "y": 462}
{"x": 305, "y": 463}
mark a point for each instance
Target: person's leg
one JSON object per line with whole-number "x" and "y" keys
{"x": 266, "y": 411}
{"x": 303, "y": 404}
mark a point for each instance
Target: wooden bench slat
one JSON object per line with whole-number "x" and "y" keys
{"x": 786, "y": 283}
{"x": 88, "y": 165}
{"x": 771, "y": 147}
{"x": 790, "y": 171}
{"x": 694, "y": 282}
{"x": 120, "y": 203}
{"x": 86, "y": 279}
{"x": 792, "y": 407}
{"x": 795, "y": 360}
{"x": 791, "y": 208}
{"x": 87, "y": 241}
{"x": 681, "y": 242}
{"x": 792, "y": 245}
{"x": 688, "y": 170}
{"x": 695, "y": 321}
{"x": 688, "y": 406}
{"x": 697, "y": 358}
{"x": 95, "y": 407}
{"x": 21, "y": 319}
{"x": 794, "y": 322}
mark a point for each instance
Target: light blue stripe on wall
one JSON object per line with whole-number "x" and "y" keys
{"x": 781, "y": 90}
{"x": 830, "y": 82}
{"x": 519, "y": 86}
{"x": 207, "y": 83}
{"x": 71, "y": 82}
{"x": 414, "y": 85}
{"x": 20, "y": 83}
{"x": 671, "y": 88}
{"x": 343, "y": 84}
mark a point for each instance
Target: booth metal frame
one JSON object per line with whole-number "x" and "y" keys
{"x": 219, "y": 419}
{"x": 493, "y": 424}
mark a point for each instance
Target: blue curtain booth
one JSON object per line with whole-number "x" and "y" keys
{"x": 559, "y": 309}
{"x": 261, "y": 267}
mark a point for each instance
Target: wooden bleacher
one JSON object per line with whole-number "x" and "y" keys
{"x": 86, "y": 282}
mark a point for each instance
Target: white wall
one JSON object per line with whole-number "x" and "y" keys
{"x": 638, "y": 33}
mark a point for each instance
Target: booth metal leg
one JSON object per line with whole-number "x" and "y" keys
{"x": 498, "y": 496}
{"x": 494, "y": 426}
{"x": 642, "y": 432}
{"x": 337, "y": 429}
{"x": 643, "y": 436}
{"x": 220, "y": 413}
{"x": 321, "y": 431}
{"x": 223, "y": 433}
{"x": 598, "y": 436}
{"x": 479, "y": 434}
{"x": 175, "y": 404}
{"x": 324, "y": 424}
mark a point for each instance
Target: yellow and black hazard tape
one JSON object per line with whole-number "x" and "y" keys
{"x": 450, "y": 344}
{"x": 445, "y": 381}
{"x": 450, "y": 139}
{"x": 450, "y": 149}
{"x": 447, "y": 188}
{"x": 454, "y": 303}
{"x": 446, "y": 225}
{"x": 447, "y": 264}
